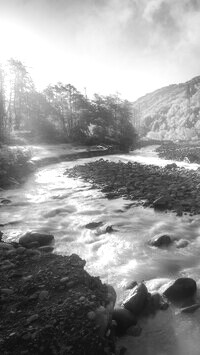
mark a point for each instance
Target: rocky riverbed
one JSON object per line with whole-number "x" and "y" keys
{"x": 49, "y": 304}
{"x": 184, "y": 151}
{"x": 165, "y": 188}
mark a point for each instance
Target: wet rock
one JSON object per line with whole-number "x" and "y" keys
{"x": 6, "y": 201}
{"x": 40, "y": 238}
{"x": 124, "y": 319}
{"x": 181, "y": 289}
{"x": 159, "y": 241}
{"x": 171, "y": 166}
{"x": 136, "y": 299}
{"x": 109, "y": 229}
{"x": 182, "y": 243}
{"x": 93, "y": 225}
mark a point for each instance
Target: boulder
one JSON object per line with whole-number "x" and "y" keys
{"x": 181, "y": 289}
{"x": 171, "y": 166}
{"x": 124, "y": 319}
{"x": 136, "y": 299}
{"x": 161, "y": 240}
{"x": 31, "y": 237}
{"x": 182, "y": 243}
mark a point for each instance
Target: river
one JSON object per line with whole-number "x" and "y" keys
{"x": 50, "y": 201}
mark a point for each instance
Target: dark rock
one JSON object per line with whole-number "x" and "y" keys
{"x": 136, "y": 299}
{"x": 124, "y": 319}
{"x": 40, "y": 238}
{"x": 181, "y": 289}
{"x": 171, "y": 166}
{"x": 93, "y": 225}
{"x": 182, "y": 243}
{"x": 160, "y": 241}
{"x": 6, "y": 201}
{"x": 109, "y": 229}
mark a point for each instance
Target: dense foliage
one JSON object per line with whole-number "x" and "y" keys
{"x": 61, "y": 112}
{"x": 172, "y": 112}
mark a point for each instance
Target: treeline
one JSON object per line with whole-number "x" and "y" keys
{"x": 61, "y": 112}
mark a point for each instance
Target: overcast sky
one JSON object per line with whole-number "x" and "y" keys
{"x": 126, "y": 46}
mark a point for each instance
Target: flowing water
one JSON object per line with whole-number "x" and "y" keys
{"x": 50, "y": 201}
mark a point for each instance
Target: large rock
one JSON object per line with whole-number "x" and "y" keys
{"x": 136, "y": 299}
{"x": 161, "y": 240}
{"x": 31, "y": 237}
{"x": 124, "y": 320}
{"x": 181, "y": 289}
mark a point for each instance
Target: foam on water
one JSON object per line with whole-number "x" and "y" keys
{"x": 52, "y": 202}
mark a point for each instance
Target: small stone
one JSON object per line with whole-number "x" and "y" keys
{"x": 64, "y": 280}
{"x": 44, "y": 295}
{"x": 32, "y": 318}
{"x": 20, "y": 250}
{"x": 6, "y": 291}
{"x": 182, "y": 243}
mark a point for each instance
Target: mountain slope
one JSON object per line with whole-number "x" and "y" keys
{"x": 172, "y": 112}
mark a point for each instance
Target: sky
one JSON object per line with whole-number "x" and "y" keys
{"x": 103, "y": 46}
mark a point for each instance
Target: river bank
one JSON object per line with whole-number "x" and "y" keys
{"x": 50, "y": 305}
{"x": 183, "y": 151}
{"x": 165, "y": 188}
{"x": 64, "y": 206}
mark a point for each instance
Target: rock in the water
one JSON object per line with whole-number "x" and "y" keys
{"x": 161, "y": 240}
{"x": 136, "y": 299}
{"x": 93, "y": 225}
{"x": 182, "y": 288}
{"x": 171, "y": 166}
{"x": 182, "y": 243}
{"x": 40, "y": 238}
{"x": 124, "y": 320}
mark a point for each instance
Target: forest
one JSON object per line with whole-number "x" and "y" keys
{"x": 60, "y": 113}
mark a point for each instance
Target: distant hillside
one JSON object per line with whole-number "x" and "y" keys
{"x": 172, "y": 112}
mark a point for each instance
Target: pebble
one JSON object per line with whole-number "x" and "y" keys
{"x": 32, "y": 318}
{"x": 44, "y": 295}
{"x": 64, "y": 280}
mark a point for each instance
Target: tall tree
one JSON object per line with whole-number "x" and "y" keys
{"x": 2, "y": 103}
{"x": 20, "y": 86}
